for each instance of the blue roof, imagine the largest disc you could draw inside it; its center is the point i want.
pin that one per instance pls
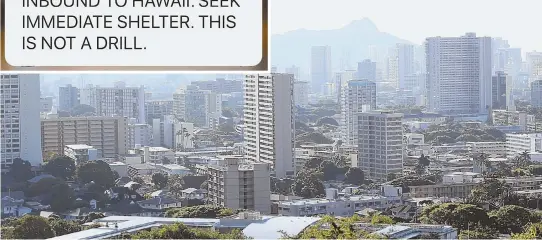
(272, 228)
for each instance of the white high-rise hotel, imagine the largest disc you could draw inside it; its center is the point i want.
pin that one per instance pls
(20, 118)
(459, 72)
(269, 121)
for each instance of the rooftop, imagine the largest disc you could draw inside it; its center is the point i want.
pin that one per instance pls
(79, 146)
(323, 200)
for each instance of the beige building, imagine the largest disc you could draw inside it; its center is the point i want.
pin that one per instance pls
(491, 148)
(106, 134)
(380, 144)
(453, 190)
(240, 185)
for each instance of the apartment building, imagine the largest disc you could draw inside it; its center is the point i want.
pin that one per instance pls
(341, 80)
(19, 119)
(536, 93)
(220, 85)
(519, 143)
(107, 134)
(157, 108)
(301, 93)
(116, 101)
(358, 96)
(380, 143)
(269, 121)
(321, 68)
(201, 107)
(46, 104)
(156, 154)
(513, 118)
(459, 71)
(239, 184)
(139, 134)
(68, 97)
(499, 90)
(491, 148)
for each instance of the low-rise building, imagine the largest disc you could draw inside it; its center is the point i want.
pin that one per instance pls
(81, 153)
(519, 143)
(119, 167)
(492, 148)
(156, 154)
(340, 206)
(172, 169)
(454, 185)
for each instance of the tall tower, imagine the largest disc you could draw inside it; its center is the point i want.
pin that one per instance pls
(358, 96)
(320, 68)
(406, 67)
(459, 74)
(20, 121)
(269, 121)
(499, 93)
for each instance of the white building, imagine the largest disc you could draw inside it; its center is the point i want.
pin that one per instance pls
(338, 206)
(414, 139)
(68, 97)
(534, 65)
(156, 154)
(358, 96)
(320, 68)
(406, 67)
(341, 80)
(269, 121)
(459, 71)
(536, 93)
(118, 100)
(81, 153)
(201, 107)
(380, 144)
(301, 93)
(46, 104)
(366, 70)
(20, 118)
(491, 148)
(237, 184)
(139, 134)
(513, 118)
(519, 143)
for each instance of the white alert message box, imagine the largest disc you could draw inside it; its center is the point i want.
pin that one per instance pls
(161, 33)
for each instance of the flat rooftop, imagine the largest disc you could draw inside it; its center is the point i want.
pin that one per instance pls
(79, 146)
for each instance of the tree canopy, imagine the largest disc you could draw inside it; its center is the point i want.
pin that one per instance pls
(21, 170)
(97, 171)
(61, 167)
(201, 211)
(159, 180)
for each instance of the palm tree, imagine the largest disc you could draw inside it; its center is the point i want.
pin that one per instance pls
(423, 163)
(523, 160)
(482, 160)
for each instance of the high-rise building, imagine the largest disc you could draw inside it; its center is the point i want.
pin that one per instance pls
(341, 80)
(358, 96)
(269, 121)
(536, 93)
(107, 134)
(295, 71)
(139, 134)
(459, 74)
(534, 65)
(499, 94)
(116, 101)
(220, 85)
(380, 144)
(157, 108)
(236, 184)
(392, 67)
(68, 97)
(320, 68)
(201, 107)
(406, 66)
(301, 93)
(20, 119)
(366, 70)
(46, 104)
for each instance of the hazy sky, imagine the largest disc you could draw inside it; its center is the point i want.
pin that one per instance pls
(518, 21)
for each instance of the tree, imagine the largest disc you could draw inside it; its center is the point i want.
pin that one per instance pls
(461, 216)
(32, 227)
(138, 179)
(82, 110)
(523, 160)
(181, 231)
(175, 184)
(308, 184)
(532, 231)
(326, 120)
(21, 170)
(422, 164)
(98, 172)
(61, 167)
(159, 180)
(63, 197)
(479, 233)
(491, 191)
(354, 176)
(512, 218)
(43, 186)
(481, 159)
(62, 227)
(281, 186)
(201, 211)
